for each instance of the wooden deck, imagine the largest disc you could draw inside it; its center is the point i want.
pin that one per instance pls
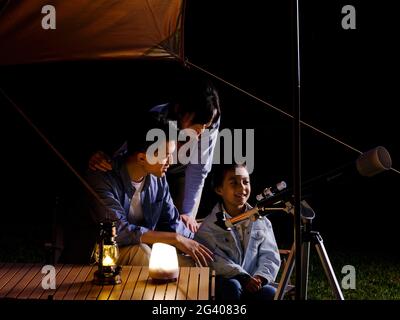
(74, 282)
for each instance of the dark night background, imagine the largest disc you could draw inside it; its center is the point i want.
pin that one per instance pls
(349, 89)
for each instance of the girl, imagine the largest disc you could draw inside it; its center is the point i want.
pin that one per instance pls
(246, 258)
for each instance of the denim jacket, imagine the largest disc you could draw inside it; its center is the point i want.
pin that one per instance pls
(116, 191)
(260, 255)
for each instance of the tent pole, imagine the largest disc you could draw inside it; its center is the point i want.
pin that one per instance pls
(300, 290)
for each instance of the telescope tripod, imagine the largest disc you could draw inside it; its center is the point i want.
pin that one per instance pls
(308, 237)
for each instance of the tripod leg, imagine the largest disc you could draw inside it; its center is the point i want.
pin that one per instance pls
(326, 263)
(286, 274)
(305, 257)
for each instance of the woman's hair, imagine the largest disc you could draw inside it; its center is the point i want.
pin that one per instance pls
(200, 97)
(137, 141)
(220, 170)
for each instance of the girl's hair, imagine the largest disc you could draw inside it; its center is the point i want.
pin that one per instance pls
(220, 170)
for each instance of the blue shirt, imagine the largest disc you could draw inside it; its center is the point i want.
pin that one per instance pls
(200, 164)
(116, 191)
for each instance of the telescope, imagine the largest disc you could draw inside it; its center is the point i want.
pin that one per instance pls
(368, 164)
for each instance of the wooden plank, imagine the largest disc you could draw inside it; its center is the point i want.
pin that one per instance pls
(94, 292)
(204, 284)
(100, 292)
(212, 285)
(61, 275)
(131, 283)
(141, 284)
(183, 283)
(78, 282)
(161, 290)
(171, 290)
(39, 291)
(63, 288)
(149, 290)
(193, 288)
(87, 285)
(32, 285)
(24, 282)
(106, 291)
(9, 275)
(117, 291)
(5, 268)
(1, 268)
(15, 279)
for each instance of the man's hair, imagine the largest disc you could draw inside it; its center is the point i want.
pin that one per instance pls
(200, 97)
(137, 141)
(220, 171)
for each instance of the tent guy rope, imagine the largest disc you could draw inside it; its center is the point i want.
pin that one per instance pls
(187, 62)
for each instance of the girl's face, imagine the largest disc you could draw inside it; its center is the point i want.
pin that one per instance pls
(235, 189)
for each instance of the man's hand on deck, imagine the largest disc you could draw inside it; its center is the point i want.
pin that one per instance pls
(200, 254)
(190, 222)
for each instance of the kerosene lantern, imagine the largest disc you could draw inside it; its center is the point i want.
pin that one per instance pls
(106, 255)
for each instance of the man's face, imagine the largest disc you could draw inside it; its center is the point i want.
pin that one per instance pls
(235, 189)
(163, 159)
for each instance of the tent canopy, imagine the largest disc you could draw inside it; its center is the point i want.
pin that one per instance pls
(87, 30)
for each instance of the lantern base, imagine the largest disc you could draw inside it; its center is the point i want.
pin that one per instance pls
(162, 276)
(107, 278)
(162, 281)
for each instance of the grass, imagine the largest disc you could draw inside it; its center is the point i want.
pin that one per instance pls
(377, 276)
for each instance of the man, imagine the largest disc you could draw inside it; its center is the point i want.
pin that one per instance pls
(197, 109)
(135, 193)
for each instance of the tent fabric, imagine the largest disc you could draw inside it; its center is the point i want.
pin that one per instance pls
(91, 29)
